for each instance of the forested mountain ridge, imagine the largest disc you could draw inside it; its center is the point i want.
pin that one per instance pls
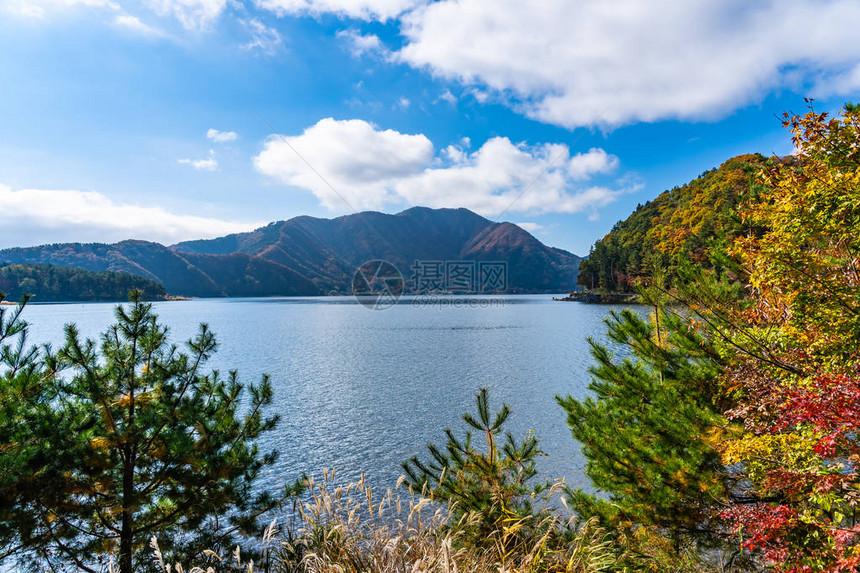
(678, 223)
(308, 256)
(49, 283)
(187, 275)
(329, 250)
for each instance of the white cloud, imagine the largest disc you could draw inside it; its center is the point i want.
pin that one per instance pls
(595, 161)
(503, 176)
(47, 216)
(447, 96)
(263, 38)
(134, 24)
(221, 136)
(530, 227)
(40, 8)
(481, 96)
(841, 82)
(363, 44)
(208, 164)
(403, 102)
(363, 9)
(578, 62)
(371, 169)
(194, 15)
(363, 164)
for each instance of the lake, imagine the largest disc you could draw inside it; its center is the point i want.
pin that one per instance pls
(361, 390)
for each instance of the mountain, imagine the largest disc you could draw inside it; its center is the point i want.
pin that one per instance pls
(329, 250)
(312, 256)
(181, 274)
(50, 283)
(679, 223)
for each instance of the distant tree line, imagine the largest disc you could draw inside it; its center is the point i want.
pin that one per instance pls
(49, 283)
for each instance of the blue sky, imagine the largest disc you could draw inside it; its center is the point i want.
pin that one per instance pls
(155, 119)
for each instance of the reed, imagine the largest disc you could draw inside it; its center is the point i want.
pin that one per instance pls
(351, 529)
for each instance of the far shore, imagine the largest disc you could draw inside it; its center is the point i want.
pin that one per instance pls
(35, 301)
(601, 298)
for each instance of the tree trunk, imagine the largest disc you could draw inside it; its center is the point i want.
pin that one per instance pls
(126, 532)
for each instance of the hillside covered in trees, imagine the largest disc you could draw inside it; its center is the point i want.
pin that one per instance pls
(49, 283)
(733, 423)
(680, 223)
(309, 256)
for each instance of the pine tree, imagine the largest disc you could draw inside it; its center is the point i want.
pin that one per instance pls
(487, 486)
(143, 443)
(34, 435)
(16, 365)
(647, 430)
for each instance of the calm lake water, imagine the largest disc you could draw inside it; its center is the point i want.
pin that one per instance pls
(362, 390)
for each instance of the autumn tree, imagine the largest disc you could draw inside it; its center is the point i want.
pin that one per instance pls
(797, 381)
(789, 366)
(678, 225)
(148, 442)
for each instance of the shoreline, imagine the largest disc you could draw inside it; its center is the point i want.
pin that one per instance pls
(598, 298)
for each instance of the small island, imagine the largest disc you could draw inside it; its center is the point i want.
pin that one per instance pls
(592, 297)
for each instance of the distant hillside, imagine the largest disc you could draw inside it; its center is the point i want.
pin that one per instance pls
(311, 256)
(192, 275)
(680, 222)
(329, 250)
(49, 283)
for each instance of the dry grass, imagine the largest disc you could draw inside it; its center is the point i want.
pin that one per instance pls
(348, 529)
